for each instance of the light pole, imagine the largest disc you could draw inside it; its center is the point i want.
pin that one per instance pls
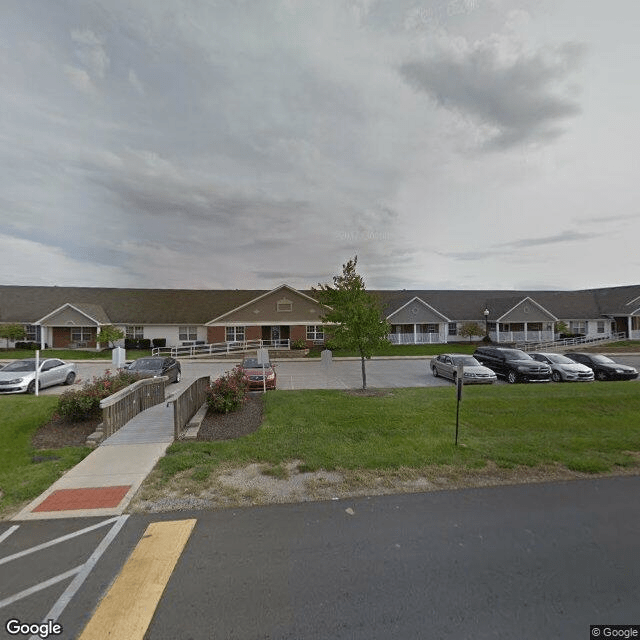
(486, 322)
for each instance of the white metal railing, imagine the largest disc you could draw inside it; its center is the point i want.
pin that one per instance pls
(415, 338)
(220, 348)
(570, 342)
(521, 336)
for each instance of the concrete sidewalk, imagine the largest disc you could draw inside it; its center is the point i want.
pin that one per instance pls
(104, 483)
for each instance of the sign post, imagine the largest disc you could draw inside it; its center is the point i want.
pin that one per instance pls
(263, 359)
(459, 382)
(37, 372)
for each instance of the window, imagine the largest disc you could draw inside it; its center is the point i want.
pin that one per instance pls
(600, 326)
(453, 328)
(315, 333)
(235, 334)
(578, 326)
(284, 305)
(82, 334)
(534, 326)
(135, 333)
(429, 328)
(32, 332)
(188, 333)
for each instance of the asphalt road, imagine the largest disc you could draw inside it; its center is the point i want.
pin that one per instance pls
(312, 374)
(527, 562)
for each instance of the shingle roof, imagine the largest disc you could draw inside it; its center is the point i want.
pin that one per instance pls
(26, 304)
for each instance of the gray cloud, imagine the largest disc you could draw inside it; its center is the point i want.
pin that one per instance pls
(513, 97)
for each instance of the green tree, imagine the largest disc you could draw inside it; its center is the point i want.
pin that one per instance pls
(470, 329)
(12, 332)
(109, 334)
(354, 315)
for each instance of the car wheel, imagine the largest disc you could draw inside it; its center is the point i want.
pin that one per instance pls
(601, 375)
(434, 371)
(70, 378)
(31, 388)
(512, 378)
(178, 377)
(556, 377)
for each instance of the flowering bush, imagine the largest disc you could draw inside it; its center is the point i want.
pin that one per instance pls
(85, 403)
(228, 392)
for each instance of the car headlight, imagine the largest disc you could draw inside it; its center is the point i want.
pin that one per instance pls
(14, 381)
(619, 370)
(469, 374)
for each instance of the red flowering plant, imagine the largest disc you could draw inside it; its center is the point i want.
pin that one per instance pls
(228, 392)
(76, 406)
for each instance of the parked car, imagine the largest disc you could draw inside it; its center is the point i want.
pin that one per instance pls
(604, 368)
(156, 367)
(20, 376)
(564, 369)
(257, 373)
(513, 364)
(446, 365)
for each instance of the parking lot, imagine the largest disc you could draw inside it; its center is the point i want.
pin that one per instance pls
(313, 374)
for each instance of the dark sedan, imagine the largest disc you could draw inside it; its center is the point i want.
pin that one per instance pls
(156, 367)
(604, 368)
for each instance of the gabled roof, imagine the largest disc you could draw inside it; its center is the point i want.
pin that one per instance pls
(422, 302)
(93, 312)
(282, 287)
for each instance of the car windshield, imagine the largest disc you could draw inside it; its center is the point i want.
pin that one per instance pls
(602, 359)
(560, 359)
(516, 354)
(252, 363)
(467, 361)
(146, 364)
(21, 365)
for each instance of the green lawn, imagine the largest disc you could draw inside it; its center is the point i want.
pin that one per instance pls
(589, 427)
(22, 478)
(67, 354)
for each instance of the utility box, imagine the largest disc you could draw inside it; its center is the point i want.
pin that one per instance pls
(118, 357)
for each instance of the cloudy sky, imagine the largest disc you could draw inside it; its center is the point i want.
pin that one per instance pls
(246, 143)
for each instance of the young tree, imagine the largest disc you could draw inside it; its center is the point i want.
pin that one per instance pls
(470, 329)
(355, 315)
(109, 334)
(12, 332)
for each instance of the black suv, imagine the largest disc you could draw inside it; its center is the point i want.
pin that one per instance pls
(513, 364)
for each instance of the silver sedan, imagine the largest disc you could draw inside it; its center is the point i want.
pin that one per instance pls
(446, 365)
(20, 376)
(564, 369)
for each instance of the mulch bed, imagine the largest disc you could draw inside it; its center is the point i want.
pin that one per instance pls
(216, 426)
(59, 433)
(227, 426)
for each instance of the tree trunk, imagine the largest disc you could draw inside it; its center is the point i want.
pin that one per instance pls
(364, 373)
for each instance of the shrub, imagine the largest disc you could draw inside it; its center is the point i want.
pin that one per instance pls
(144, 343)
(159, 342)
(228, 392)
(84, 404)
(301, 343)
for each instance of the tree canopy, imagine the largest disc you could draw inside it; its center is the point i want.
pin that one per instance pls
(354, 317)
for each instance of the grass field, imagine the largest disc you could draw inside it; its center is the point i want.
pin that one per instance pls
(589, 428)
(22, 478)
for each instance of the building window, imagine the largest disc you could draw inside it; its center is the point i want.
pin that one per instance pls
(315, 333)
(600, 326)
(82, 334)
(32, 332)
(188, 333)
(284, 305)
(453, 328)
(235, 334)
(534, 326)
(429, 328)
(134, 333)
(578, 326)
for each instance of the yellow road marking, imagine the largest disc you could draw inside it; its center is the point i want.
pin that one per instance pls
(126, 611)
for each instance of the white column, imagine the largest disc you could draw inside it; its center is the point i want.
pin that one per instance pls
(415, 334)
(629, 327)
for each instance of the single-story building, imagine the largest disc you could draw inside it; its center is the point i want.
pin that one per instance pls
(71, 317)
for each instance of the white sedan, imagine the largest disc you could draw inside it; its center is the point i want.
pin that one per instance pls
(564, 369)
(446, 365)
(20, 376)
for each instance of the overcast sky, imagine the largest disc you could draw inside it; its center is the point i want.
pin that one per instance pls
(244, 144)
